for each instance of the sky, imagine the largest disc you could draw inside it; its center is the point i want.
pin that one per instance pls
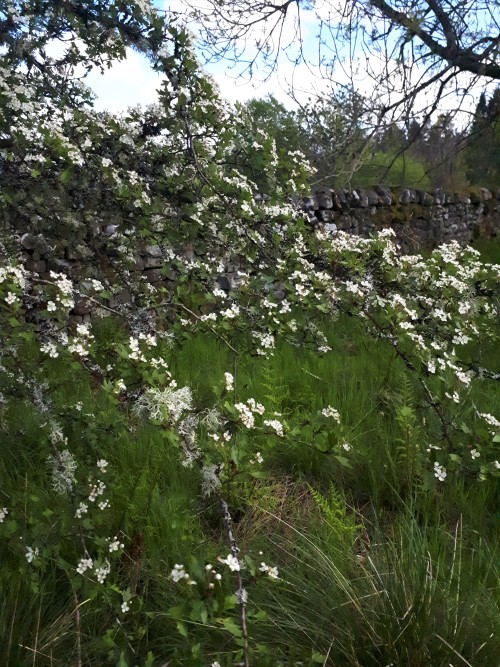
(132, 82)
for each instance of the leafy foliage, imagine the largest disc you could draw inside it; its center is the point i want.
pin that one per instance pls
(129, 470)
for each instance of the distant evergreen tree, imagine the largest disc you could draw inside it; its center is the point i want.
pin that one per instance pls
(483, 143)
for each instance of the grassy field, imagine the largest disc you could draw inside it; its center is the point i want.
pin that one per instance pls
(378, 565)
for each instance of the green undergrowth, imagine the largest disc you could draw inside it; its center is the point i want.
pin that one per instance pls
(378, 565)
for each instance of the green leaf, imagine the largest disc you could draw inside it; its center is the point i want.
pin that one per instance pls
(258, 474)
(122, 661)
(176, 612)
(181, 628)
(65, 177)
(231, 627)
(465, 428)
(343, 461)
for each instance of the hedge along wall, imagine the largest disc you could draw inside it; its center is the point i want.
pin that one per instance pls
(420, 221)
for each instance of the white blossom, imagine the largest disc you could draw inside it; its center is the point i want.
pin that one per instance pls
(331, 412)
(82, 509)
(229, 381)
(115, 545)
(276, 425)
(232, 562)
(62, 467)
(11, 298)
(178, 573)
(31, 554)
(269, 570)
(439, 471)
(84, 564)
(102, 464)
(102, 572)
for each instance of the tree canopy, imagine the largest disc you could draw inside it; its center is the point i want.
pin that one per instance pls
(416, 52)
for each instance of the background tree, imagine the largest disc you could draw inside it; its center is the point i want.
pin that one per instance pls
(418, 43)
(416, 52)
(339, 135)
(483, 143)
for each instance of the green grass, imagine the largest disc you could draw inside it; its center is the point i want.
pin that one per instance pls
(377, 569)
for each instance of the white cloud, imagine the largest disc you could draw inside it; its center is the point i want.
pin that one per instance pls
(126, 83)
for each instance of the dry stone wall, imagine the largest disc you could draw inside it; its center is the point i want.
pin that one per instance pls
(419, 219)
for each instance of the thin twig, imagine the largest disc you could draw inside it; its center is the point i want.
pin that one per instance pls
(78, 631)
(188, 310)
(233, 547)
(466, 662)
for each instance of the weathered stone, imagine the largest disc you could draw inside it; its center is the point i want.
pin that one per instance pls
(310, 204)
(138, 264)
(353, 199)
(344, 222)
(404, 195)
(326, 215)
(29, 241)
(424, 198)
(110, 230)
(153, 275)
(81, 307)
(336, 202)
(363, 198)
(151, 251)
(37, 266)
(224, 282)
(123, 296)
(324, 198)
(384, 194)
(153, 262)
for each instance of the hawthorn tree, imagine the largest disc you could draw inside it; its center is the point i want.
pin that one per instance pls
(73, 179)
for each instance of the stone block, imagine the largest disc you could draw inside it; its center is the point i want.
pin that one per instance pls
(403, 195)
(153, 275)
(153, 262)
(353, 199)
(326, 215)
(373, 198)
(363, 198)
(338, 201)
(151, 251)
(324, 198)
(224, 282)
(81, 307)
(29, 241)
(110, 230)
(384, 194)
(310, 203)
(36, 265)
(138, 264)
